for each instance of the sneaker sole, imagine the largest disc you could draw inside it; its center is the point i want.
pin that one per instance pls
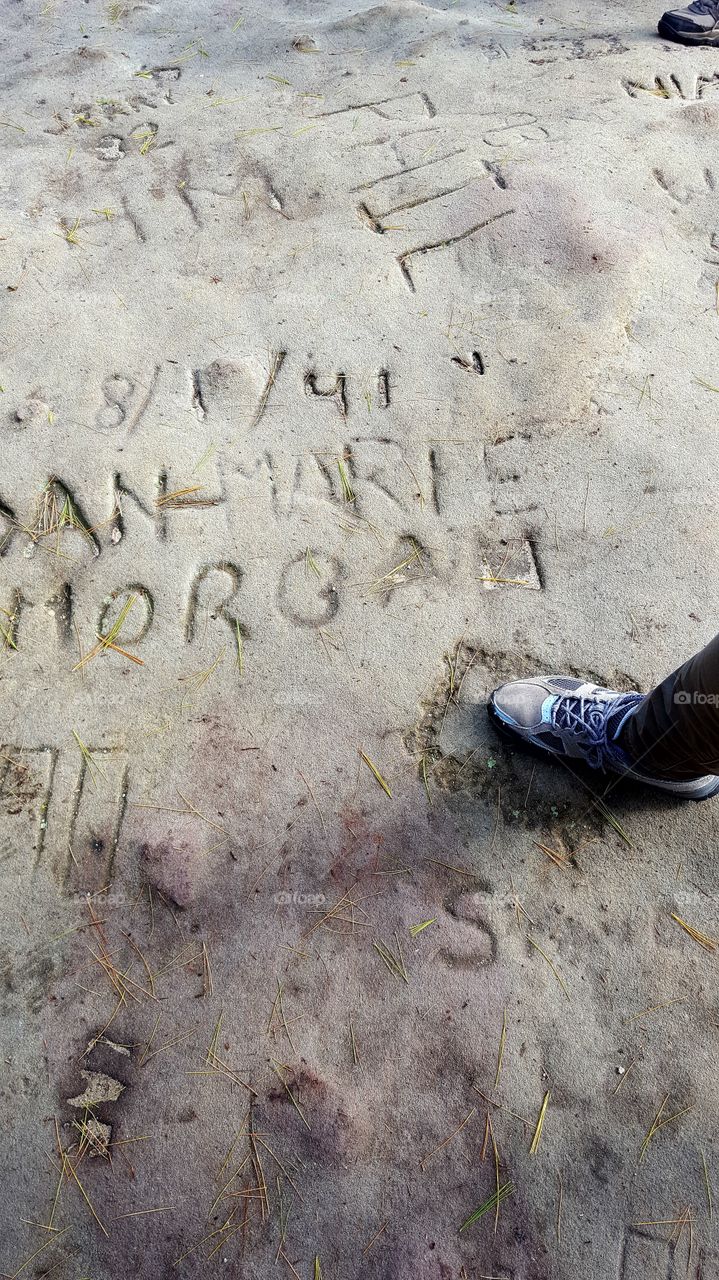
(509, 735)
(686, 37)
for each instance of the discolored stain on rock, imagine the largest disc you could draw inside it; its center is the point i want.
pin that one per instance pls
(331, 1130)
(472, 941)
(175, 868)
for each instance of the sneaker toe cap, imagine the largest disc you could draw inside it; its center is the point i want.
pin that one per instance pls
(519, 703)
(676, 20)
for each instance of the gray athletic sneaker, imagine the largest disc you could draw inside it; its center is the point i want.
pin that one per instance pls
(697, 24)
(577, 720)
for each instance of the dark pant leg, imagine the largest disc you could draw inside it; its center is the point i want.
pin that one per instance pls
(675, 732)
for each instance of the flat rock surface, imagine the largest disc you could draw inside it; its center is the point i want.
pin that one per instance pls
(354, 358)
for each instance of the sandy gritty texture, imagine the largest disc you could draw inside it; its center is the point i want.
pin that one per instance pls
(353, 357)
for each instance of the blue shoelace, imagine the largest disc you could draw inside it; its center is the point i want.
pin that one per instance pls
(587, 721)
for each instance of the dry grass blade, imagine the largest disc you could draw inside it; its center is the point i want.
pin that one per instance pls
(277, 1012)
(613, 821)
(218, 1066)
(654, 1008)
(212, 1048)
(509, 582)
(314, 799)
(208, 985)
(69, 233)
(497, 1181)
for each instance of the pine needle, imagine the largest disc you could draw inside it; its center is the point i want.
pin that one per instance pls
(425, 1159)
(69, 1167)
(8, 632)
(556, 856)
(108, 641)
(707, 1184)
(613, 821)
(181, 499)
(347, 490)
(425, 778)
(415, 929)
(70, 233)
(311, 563)
(375, 771)
(709, 944)
(140, 1213)
(658, 1123)
(497, 1183)
(500, 1052)
(197, 679)
(353, 1044)
(540, 1125)
(290, 1095)
(53, 1239)
(395, 963)
(555, 971)
(490, 1203)
(92, 767)
(375, 1237)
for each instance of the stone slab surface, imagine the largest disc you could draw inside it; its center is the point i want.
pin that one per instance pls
(353, 358)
